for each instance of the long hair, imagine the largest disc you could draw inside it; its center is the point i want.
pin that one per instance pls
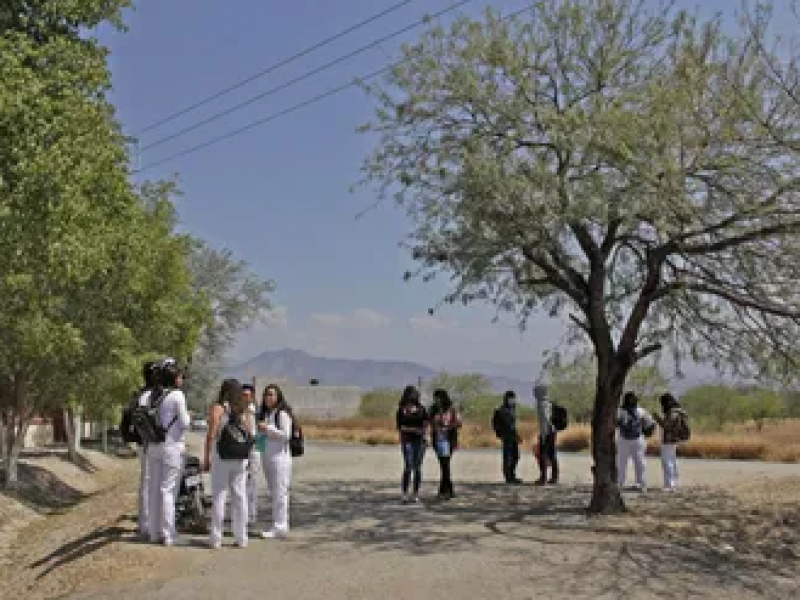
(410, 396)
(445, 403)
(170, 373)
(280, 405)
(231, 393)
(668, 401)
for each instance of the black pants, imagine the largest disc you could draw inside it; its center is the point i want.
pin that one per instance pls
(510, 458)
(445, 481)
(547, 449)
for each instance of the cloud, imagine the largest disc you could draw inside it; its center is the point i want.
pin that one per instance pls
(432, 325)
(361, 318)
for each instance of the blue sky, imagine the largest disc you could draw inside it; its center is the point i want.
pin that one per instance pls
(278, 195)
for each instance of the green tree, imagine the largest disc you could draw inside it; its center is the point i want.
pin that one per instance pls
(381, 403)
(633, 166)
(237, 298)
(93, 276)
(461, 388)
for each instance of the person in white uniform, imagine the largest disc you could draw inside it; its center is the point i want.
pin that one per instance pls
(227, 473)
(165, 460)
(634, 423)
(275, 421)
(254, 464)
(151, 380)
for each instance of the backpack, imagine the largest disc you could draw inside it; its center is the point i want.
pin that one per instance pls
(559, 417)
(126, 428)
(235, 442)
(296, 442)
(682, 429)
(631, 428)
(147, 420)
(498, 423)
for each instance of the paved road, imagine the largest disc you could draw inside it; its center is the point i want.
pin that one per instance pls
(352, 539)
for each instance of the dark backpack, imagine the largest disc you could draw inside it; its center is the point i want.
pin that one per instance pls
(682, 429)
(146, 420)
(498, 423)
(235, 442)
(126, 428)
(631, 428)
(296, 442)
(559, 418)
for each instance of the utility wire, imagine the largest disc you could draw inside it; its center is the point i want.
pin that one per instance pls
(274, 67)
(302, 77)
(288, 110)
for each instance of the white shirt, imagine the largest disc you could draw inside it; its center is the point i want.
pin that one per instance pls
(278, 438)
(173, 407)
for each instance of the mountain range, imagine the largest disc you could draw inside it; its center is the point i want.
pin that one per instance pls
(367, 374)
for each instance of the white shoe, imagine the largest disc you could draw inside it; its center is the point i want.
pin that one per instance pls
(273, 534)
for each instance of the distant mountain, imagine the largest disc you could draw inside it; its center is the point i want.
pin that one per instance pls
(301, 367)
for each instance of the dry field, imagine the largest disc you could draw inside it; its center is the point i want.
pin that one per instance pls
(777, 441)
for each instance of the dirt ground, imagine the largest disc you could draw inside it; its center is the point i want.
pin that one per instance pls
(733, 531)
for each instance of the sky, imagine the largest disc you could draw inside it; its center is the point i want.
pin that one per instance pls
(279, 195)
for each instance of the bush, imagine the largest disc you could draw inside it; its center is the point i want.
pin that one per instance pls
(481, 409)
(379, 404)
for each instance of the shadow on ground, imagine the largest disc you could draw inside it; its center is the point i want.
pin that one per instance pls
(616, 556)
(41, 490)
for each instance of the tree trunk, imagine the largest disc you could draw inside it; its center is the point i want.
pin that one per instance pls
(606, 495)
(3, 443)
(72, 438)
(15, 441)
(104, 436)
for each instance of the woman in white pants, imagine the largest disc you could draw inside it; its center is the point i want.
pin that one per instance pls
(672, 432)
(254, 464)
(276, 423)
(165, 461)
(227, 473)
(633, 423)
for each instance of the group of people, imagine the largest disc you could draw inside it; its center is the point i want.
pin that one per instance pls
(160, 419)
(442, 421)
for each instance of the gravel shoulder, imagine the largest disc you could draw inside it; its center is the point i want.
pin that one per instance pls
(733, 531)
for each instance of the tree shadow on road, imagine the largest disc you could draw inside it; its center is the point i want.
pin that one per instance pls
(543, 530)
(42, 491)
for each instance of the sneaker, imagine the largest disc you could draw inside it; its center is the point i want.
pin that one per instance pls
(273, 534)
(539, 482)
(415, 500)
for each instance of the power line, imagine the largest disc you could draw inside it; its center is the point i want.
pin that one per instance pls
(303, 77)
(288, 110)
(274, 67)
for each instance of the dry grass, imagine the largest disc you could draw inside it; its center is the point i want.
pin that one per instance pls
(774, 441)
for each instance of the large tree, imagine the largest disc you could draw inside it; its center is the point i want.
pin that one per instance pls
(634, 167)
(93, 276)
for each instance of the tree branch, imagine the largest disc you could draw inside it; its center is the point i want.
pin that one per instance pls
(736, 240)
(646, 351)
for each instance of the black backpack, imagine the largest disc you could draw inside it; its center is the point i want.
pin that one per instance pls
(296, 442)
(559, 418)
(235, 441)
(631, 428)
(499, 423)
(126, 428)
(146, 420)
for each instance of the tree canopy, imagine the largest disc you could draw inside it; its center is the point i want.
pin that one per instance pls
(633, 166)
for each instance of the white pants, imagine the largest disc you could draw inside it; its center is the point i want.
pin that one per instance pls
(229, 474)
(253, 465)
(669, 462)
(632, 449)
(144, 492)
(164, 464)
(278, 471)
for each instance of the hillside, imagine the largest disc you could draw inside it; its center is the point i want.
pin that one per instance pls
(367, 374)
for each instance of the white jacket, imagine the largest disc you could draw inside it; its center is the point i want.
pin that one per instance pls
(278, 436)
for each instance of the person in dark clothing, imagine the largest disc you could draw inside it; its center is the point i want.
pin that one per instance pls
(509, 435)
(445, 422)
(547, 437)
(412, 421)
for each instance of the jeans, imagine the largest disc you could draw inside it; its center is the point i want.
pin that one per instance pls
(547, 449)
(413, 451)
(510, 458)
(669, 462)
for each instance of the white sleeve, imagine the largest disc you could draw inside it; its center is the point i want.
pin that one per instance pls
(284, 433)
(184, 419)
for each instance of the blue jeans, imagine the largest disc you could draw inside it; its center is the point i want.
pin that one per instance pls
(413, 452)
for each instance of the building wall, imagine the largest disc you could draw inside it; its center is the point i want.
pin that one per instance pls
(316, 401)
